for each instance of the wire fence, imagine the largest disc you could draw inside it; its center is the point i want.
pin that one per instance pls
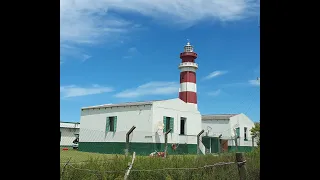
(95, 140)
(132, 172)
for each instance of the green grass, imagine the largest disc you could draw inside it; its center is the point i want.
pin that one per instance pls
(78, 156)
(96, 166)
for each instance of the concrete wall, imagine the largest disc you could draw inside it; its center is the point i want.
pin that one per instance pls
(176, 109)
(68, 135)
(93, 124)
(216, 127)
(146, 118)
(145, 138)
(241, 120)
(225, 127)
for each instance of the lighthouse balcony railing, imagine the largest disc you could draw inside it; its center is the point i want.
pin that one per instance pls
(188, 64)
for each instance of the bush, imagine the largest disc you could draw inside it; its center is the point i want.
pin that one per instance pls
(97, 168)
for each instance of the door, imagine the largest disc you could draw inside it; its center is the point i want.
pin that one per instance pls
(214, 145)
(224, 145)
(206, 142)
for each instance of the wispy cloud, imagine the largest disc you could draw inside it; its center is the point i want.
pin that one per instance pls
(85, 57)
(93, 21)
(151, 88)
(71, 51)
(235, 84)
(74, 91)
(215, 74)
(131, 52)
(254, 82)
(214, 93)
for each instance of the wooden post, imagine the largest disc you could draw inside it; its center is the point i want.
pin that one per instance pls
(241, 166)
(130, 166)
(127, 140)
(219, 144)
(198, 141)
(166, 142)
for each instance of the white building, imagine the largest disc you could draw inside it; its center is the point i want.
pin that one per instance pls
(68, 133)
(226, 126)
(104, 128)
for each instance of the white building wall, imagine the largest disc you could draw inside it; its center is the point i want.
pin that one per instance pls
(242, 121)
(68, 136)
(216, 127)
(226, 128)
(176, 108)
(93, 124)
(146, 118)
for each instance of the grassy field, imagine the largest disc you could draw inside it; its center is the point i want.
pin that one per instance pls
(78, 156)
(93, 166)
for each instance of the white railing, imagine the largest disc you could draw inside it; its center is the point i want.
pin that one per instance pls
(202, 147)
(188, 64)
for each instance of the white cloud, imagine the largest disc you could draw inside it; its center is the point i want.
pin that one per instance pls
(215, 93)
(215, 74)
(71, 51)
(73, 91)
(94, 21)
(131, 52)
(254, 82)
(85, 57)
(151, 88)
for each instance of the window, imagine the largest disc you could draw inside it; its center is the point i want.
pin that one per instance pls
(245, 134)
(238, 131)
(111, 124)
(182, 125)
(168, 123)
(111, 121)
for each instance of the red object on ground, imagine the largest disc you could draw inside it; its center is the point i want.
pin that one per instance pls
(65, 149)
(161, 154)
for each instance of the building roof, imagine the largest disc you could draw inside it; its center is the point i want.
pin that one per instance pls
(69, 124)
(141, 103)
(217, 116)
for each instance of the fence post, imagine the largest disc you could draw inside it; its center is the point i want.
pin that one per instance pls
(127, 140)
(198, 141)
(241, 165)
(166, 142)
(130, 166)
(219, 144)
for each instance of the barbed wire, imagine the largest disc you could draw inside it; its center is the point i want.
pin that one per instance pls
(91, 170)
(195, 168)
(161, 169)
(79, 162)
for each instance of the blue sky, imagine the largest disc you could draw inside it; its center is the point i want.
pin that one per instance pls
(114, 51)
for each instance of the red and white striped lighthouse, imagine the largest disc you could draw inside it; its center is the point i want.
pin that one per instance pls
(188, 68)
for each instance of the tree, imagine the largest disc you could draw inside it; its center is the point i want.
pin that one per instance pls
(255, 132)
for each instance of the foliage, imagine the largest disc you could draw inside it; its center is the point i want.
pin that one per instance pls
(255, 132)
(95, 168)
